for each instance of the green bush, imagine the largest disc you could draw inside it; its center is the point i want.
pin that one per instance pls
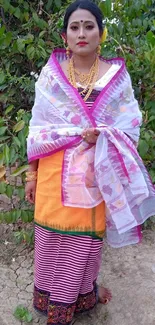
(28, 33)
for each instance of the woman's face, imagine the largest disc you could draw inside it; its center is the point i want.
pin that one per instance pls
(83, 34)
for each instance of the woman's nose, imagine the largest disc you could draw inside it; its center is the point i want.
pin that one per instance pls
(81, 33)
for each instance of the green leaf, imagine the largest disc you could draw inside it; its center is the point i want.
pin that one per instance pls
(58, 3)
(4, 138)
(26, 5)
(8, 217)
(109, 6)
(35, 17)
(49, 4)
(12, 154)
(26, 16)
(41, 23)
(15, 215)
(19, 126)
(11, 9)
(30, 216)
(30, 51)
(8, 39)
(18, 213)
(24, 216)
(2, 77)
(145, 23)
(21, 192)
(9, 191)
(150, 38)
(42, 33)
(20, 170)
(1, 159)
(22, 138)
(20, 45)
(17, 142)
(147, 136)
(56, 36)
(18, 236)
(42, 52)
(105, 7)
(6, 5)
(1, 121)
(28, 236)
(17, 13)
(9, 109)
(29, 38)
(28, 317)
(143, 148)
(6, 152)
(2, 187)
(2, 30)
(23, 314)
(1, 217)
(152, 118)
(3, 129)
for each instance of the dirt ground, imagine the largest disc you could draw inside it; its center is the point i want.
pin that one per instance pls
(129, 272)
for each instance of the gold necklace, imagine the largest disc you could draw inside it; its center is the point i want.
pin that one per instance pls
(88, 79)
(83, 77)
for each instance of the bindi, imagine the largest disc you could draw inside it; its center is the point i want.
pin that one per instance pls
(81, 21)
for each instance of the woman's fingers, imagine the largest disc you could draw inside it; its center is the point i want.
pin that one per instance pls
(90, 135)
(33, 196)
(30, 190)
(96, 132)
(30, 197)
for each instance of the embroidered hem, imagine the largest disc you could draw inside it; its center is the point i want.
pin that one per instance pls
(62, 313)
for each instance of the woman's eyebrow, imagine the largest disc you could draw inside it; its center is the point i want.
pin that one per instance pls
(84, 21)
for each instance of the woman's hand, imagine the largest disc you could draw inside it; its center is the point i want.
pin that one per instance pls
(30, 191)
(90, 135)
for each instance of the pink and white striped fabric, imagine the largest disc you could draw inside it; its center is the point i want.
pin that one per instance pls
(66, 262)
(66, 269)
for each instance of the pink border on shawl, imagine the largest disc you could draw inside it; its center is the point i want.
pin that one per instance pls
(129, 142)
(122, 164)
(62, 180)
(111, 82)
(66, 146)
(77, 95)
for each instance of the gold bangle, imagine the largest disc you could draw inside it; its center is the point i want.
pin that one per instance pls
(31, 176)
(30, 179)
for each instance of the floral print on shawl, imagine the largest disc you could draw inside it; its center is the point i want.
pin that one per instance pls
(112, 170)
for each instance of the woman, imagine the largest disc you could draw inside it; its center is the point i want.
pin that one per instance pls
(85, 174)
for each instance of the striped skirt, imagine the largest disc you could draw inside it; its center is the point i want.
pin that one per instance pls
(66, 269)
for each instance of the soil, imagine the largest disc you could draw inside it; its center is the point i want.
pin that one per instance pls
(128, 272)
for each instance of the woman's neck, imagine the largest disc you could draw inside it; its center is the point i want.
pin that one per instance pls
(84, 63)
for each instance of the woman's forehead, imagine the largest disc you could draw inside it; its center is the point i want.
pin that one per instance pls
(81, 15)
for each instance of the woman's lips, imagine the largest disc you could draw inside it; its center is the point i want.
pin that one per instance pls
(82, 43)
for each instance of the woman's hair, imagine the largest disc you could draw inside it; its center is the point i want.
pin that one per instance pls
(87, 5)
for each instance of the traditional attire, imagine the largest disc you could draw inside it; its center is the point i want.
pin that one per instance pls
(83, 189)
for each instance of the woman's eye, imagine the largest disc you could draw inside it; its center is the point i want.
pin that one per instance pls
(89, 27)
(74, 27)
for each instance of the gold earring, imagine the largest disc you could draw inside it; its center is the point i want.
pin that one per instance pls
(68, 52)
(98, 50)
